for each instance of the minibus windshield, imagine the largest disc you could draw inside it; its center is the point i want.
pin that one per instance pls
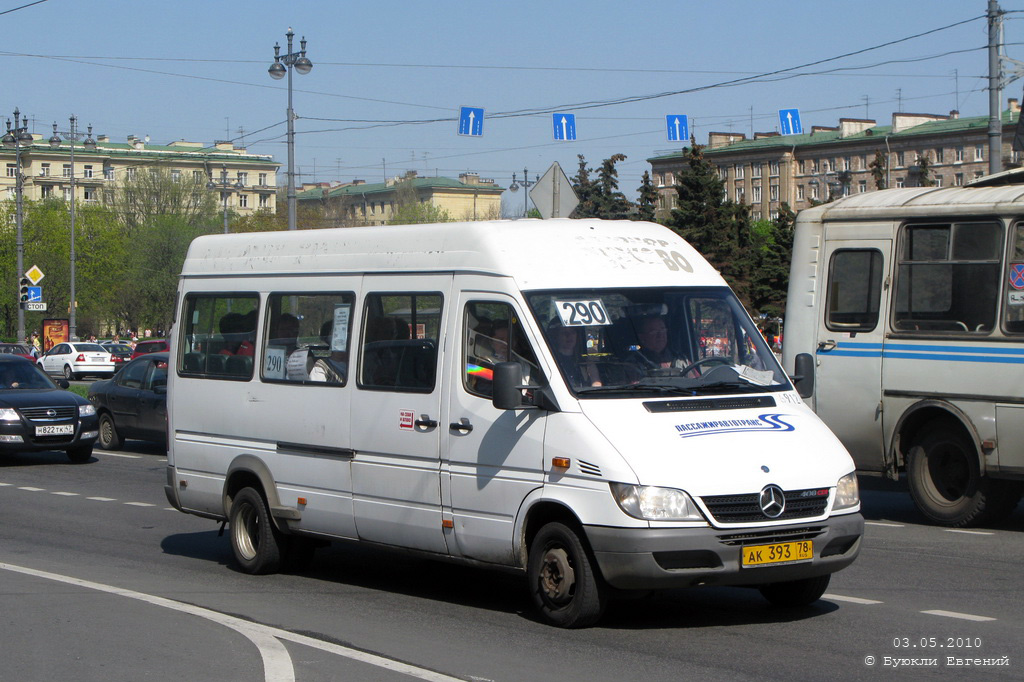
(656, 341)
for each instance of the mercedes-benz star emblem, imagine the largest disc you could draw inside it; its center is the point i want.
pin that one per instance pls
(772, 501)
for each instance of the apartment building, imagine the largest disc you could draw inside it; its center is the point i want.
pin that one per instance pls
(360, 203)
(246, 182)
(801, 170)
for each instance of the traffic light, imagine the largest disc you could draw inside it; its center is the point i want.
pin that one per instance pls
(23, 286)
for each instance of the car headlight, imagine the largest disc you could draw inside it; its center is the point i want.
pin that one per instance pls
(87, 410)
(847, 492)
(655, 504)
(9, 414)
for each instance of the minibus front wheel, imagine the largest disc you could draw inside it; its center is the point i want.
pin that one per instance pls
(256, 543)
(563, 582)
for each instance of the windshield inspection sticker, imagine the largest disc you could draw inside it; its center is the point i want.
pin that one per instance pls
(764, 423)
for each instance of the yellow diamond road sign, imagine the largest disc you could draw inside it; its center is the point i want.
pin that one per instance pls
(34, 274)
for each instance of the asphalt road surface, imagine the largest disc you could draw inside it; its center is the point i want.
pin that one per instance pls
(101, 580)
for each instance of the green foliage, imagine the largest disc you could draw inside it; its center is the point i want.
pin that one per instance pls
(647, 202)
(878, 169)
(601, 198)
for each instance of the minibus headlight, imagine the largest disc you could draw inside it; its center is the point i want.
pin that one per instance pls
(847, 492)
(655, 504)
(86, 410)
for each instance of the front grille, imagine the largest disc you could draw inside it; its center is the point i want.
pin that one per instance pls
(800, 504)
(39, 414)
(771, 536)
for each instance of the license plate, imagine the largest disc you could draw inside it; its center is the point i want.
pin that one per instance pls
(779, 553)
(56, 430)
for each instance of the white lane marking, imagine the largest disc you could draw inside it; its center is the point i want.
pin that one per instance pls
(253, 631)
(102, 499)
(3, 485)
(961, 616)
(111, 454)
(885, 525)
(64, 494)
(30, 488)
(139, 504)
(969, 532)
(852, 600)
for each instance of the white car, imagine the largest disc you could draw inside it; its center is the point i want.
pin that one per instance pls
(76, 360)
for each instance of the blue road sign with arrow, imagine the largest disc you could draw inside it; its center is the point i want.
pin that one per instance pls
(678, 128)
(565, 126)
(35, 294)
(789, 122)
(471, 121)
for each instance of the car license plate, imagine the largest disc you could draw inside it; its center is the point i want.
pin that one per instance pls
(779, 553)
(56, 430)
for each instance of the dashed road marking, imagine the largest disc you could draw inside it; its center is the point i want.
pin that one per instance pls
(885, 525)
(113, 454)
(64, 494)
(961, 616)
(30, 489)
(969, 532)
(139, 504)
(101, 499)
(852, 600)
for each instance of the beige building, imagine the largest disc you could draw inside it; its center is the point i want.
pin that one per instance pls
(359, 203)
(247, 182)
(801, 170)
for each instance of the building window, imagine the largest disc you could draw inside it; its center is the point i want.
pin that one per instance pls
(979, 152)
(90, 194)
(959, 157)
(958, 180)
(801, 167)
(738, 171)
(773, 169)
(814, 192)
(863, 162)
(243, 179)
(978, 174)
(243, 201)
(755, 170)
(814, 167)
(130, 173)
(799, 192)
(900, 183)
(899, 160)
(175, 175)
(263, 179)
(757, 194)
(44, 170)
(12, 170)
(67, 170)
(939, 156)
(264, 201)
(847, 163)
(739, 195)
(723, 173)
(86, 171)
(862, 186)
(773, 192)
(108, 172)
(47, 191)
(938, 180)
(225, 198)
(67, 194)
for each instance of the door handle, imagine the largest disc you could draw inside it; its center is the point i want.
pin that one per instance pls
(826, 346)
(426, 423)
(462, 425)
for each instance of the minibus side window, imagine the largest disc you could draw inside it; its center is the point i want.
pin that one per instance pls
(854, 290)
(948, 278)
(400, 342)
(1013, 313)
(218, 339)
(306, 339)
(493, 333)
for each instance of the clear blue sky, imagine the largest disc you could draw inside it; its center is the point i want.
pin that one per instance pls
(197, 70)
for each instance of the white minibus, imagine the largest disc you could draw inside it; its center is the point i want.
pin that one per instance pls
(905, 333)
(583, 401)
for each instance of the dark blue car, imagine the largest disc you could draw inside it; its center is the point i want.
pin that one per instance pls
(133, 404)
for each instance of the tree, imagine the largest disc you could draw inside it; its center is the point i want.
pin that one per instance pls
(586, 191)
(878, 170)
(922, 169)
(647, 203)
(772, 251)
(601, 198)
(410, 210)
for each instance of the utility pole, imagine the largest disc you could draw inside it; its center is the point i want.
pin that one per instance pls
(995, 93)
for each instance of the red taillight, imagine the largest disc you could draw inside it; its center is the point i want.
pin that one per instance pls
(80, 358)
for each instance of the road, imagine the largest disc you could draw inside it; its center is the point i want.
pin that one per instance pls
(101, 580)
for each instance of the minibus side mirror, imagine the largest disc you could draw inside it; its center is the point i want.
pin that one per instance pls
(803, 377)
(507, 386)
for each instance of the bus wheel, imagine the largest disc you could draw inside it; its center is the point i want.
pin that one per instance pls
(254, 539)
(562, 579)
(946, 482)
(796, 593)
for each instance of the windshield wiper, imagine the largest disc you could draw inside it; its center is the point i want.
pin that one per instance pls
(734, 386)
(636, 388)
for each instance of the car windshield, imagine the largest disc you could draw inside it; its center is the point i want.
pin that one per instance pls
(22, 375)
(118, 348)
(82, 347)
(655, 341)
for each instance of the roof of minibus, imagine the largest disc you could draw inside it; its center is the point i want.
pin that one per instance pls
(538, 254)
(922, 202)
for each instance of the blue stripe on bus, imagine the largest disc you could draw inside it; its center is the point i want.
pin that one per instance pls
(909, 351)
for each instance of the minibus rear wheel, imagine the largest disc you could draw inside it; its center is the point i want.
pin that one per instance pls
(563, 582)
(255, 541)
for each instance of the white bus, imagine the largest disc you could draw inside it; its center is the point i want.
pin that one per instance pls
(905, 328)
(521, 394)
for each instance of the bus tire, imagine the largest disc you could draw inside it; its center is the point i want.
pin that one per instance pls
(563, 583)
(946, 481)
(796, 593)
(256, 543)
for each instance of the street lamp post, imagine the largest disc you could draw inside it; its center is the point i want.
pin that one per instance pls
(17, 138)
(526, 183)
(285, 64)
(88, 143)
(225, 186)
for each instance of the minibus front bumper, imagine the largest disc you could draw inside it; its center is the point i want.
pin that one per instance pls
(649, 558)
